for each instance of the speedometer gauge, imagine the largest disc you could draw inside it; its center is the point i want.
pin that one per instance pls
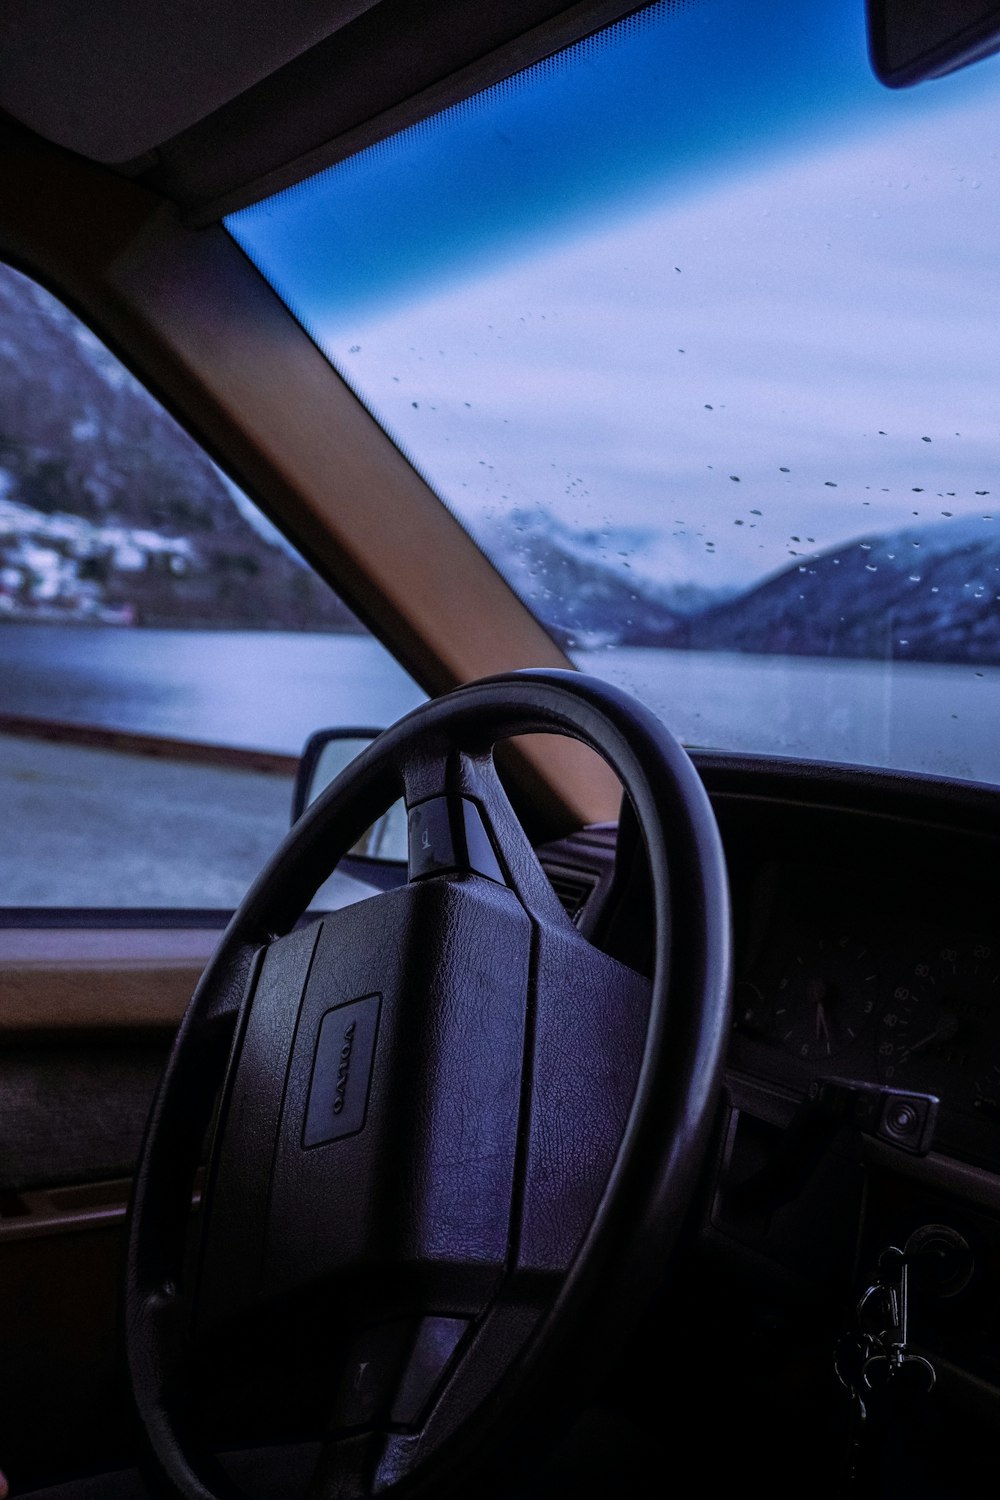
(939, 1030)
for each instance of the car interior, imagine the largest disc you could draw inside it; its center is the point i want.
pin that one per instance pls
(499, 725)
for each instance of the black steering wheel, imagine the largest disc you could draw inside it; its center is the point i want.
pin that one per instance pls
(440, 1116)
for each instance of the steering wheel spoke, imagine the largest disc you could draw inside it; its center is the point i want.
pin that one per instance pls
(449, 1128)
(407, 1388)
(460, 821)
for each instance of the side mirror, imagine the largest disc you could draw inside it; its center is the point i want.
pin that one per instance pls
(379, 856)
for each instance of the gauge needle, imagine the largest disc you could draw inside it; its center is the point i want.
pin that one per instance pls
(944, 1031)
(816, 991)
(822, 1029)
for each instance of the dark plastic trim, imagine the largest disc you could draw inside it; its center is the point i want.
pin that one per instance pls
(966, 40)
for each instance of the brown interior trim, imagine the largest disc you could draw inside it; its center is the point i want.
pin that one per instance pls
(46, 1211)
(58, 979)
(40, 1212)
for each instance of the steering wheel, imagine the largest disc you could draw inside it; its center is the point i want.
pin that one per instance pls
(440, 1116)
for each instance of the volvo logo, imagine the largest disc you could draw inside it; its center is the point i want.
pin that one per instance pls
(344, 1068)
(342, 1071)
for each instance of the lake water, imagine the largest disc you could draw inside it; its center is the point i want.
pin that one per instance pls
(270, 690)
(916, 716)
(267, 690)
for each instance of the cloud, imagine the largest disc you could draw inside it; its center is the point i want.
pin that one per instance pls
(782, 344)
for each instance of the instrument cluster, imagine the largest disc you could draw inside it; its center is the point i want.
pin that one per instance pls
(852, 981)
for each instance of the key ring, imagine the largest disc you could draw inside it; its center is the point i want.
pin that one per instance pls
(895, 1360)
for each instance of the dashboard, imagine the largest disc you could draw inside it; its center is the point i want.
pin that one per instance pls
(866, 918)
(883, 971)
(862, 1083)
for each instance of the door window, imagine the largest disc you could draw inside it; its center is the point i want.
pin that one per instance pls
(164, 651)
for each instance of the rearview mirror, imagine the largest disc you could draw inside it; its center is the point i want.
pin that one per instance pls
(913, 40)
(325, 755)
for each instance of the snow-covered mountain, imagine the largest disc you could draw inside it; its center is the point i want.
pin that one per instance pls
(923, 593)
(590, 587)
(929, 593)
(109, 511)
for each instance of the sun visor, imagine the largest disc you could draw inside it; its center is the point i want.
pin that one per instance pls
(111, 81)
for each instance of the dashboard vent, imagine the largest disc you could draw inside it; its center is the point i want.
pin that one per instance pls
(572, 888)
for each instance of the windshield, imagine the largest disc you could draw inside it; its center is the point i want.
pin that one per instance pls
(694, 329)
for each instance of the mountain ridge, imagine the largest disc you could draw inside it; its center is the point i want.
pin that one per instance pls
(110, 513)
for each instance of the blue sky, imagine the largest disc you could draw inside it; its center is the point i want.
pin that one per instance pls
(652, 108)
(752, 315)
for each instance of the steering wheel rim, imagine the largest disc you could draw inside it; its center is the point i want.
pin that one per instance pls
(634, 1199)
